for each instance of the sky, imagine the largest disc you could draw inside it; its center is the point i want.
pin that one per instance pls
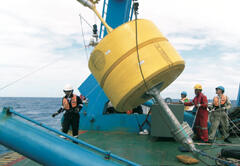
(44, 38)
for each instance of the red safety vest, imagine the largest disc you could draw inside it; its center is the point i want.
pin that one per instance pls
(216, 100)
(66, 104)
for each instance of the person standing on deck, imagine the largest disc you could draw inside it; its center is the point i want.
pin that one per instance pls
(71, 104)
(221, 104)
(201, 103)
(184, 99)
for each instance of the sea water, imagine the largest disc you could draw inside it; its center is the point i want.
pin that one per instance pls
(39, 109)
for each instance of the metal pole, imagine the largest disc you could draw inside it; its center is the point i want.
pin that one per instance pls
(43, 147)
(180, 132)
(86, 3)
(93, 7)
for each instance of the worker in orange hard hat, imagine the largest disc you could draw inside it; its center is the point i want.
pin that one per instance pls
(201, 103)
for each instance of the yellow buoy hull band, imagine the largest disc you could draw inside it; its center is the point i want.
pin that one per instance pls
(115, 66)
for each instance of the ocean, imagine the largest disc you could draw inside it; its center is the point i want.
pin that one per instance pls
(39, 109)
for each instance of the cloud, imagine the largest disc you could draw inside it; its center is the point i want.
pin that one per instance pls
(210, 71)
(214, 20)
(184, 43)
(35, 33)
(232, 57)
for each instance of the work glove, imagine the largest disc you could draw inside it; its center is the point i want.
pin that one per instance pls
(198, 105)
(85, 101)
(212, 109)
(60, 110)
(53, 115)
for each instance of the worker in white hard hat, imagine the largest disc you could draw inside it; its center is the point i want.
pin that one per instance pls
(71, 104)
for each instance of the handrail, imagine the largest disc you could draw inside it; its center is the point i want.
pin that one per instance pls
(106, 153)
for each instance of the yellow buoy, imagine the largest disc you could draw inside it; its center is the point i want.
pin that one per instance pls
(115, 66)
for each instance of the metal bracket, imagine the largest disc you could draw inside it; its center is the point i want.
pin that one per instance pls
(7, 111)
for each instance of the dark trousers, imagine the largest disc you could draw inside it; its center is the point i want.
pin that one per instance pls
(71, 119)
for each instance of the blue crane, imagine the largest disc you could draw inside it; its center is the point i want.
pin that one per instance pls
(115, 12)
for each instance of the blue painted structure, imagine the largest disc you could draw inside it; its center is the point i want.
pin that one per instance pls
(49, 149)
(92, 117)
(238, 98)
(116, 12)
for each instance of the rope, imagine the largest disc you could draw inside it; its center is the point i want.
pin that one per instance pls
(29, 74)
(146, 119)
(85, 21)
(216, 159)
(232, 122)
(32, 72)
(233, 125)
(138, 57)
(207, 144)
(195, 117)
(84, 43)
(203, 162)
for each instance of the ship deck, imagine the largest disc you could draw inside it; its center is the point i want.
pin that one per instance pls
(142, 149)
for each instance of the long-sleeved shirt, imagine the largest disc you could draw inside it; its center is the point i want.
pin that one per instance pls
(200, 99)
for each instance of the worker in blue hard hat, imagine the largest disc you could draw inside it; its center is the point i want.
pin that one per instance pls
(184, 99)
(221, 105)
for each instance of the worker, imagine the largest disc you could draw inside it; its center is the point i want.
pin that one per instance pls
(84, 99)
(138, 110)
(201, 103)
(221, 104)
(110, 109)
(71, 104)
(184, 99)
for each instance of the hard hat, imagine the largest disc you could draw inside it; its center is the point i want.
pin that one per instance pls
(184, 93)
(221, 88)
(198, 86)
(68, 87)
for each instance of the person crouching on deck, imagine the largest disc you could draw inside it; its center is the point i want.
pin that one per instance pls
(201, 122)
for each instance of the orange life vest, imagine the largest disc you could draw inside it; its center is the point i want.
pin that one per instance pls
(216, 100)
(66, 104)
